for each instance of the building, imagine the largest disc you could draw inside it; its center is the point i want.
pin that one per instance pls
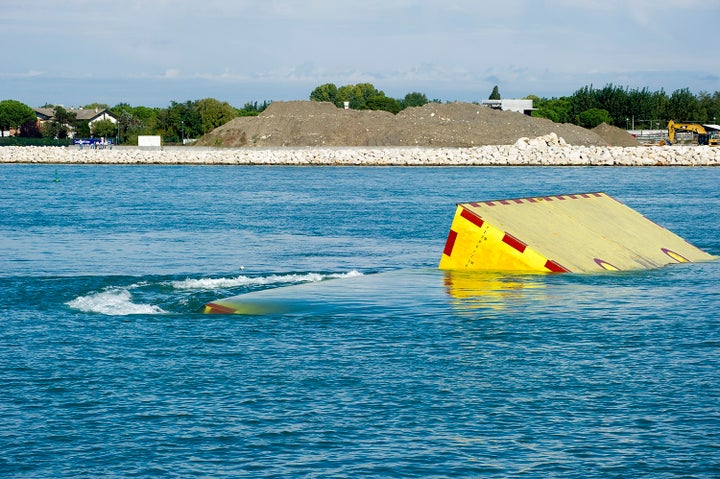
(82, 114)
(520, 106)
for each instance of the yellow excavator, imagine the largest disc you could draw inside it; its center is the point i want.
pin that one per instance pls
(704, 137)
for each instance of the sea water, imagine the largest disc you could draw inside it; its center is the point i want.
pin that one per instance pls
(108, 369)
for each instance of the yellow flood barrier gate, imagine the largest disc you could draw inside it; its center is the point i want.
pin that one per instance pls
(586, 232)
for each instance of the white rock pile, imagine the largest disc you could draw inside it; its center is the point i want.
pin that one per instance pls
(548, 150)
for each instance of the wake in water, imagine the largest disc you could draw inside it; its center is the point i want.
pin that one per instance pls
(181, 296)
(113, 302)
(224, 283)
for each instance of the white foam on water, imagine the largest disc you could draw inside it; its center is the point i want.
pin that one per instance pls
(221, 283)
(113, 302)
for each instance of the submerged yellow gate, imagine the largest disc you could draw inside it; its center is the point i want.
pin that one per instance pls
(567, 233)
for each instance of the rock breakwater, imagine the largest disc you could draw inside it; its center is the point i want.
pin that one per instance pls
(548, 150)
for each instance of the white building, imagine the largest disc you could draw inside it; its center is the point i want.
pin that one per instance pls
(520, 106)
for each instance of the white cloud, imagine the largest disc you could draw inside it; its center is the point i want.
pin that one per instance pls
(399, 45)
(644, 12)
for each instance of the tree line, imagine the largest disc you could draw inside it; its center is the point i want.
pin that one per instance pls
(629, 108)
(179, 121)
(587, 107)
(364, 96)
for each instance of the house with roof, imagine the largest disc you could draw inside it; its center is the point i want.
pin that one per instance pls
(90, 115)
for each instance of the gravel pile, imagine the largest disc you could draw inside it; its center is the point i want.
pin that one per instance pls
(615, 136)
(309, 123)
(545, 150)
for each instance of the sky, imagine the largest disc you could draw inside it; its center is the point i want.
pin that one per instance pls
(153, 52)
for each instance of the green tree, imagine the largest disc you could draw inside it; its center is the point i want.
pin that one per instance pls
(495, 95)
(181, 120)
(96, 106)
(364, 96)
(639, 108)
(357, 95)
(365, 91)
(683, 106)
(414, 99)
(582, 100)
(104, 128)
(554, 109)
(382, 102)
(133, 121)
(710, 106)
(147, 118)
(326, 92)
(658, 101)
(593, 117)
(345, 94)
(82, 129)
(214, 113)
(253, 108)
(31, 129)
(62, 123)
(15, 115)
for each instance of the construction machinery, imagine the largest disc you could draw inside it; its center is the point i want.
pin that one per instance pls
(706, 134)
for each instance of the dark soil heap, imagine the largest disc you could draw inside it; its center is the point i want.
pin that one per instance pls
(309, 123)
(615, 136)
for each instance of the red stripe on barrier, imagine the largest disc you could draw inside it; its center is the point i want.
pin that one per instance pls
(575, 196)
(477, 221)
(450, 243)
(555, 267)
(514, 242)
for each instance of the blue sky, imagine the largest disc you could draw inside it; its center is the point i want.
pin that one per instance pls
(152, 52)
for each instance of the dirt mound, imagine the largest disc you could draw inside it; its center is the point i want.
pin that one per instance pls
(615, 136)
(308, 123)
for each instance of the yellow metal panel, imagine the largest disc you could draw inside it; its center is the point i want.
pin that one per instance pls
(580, 232)
(478, 245)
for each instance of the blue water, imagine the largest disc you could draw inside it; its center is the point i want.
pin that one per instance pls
(107, 368)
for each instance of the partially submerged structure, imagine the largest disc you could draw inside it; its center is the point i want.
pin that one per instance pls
(584, 233)
(588, 232)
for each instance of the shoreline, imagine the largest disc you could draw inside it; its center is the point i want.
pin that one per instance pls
(541, 151)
